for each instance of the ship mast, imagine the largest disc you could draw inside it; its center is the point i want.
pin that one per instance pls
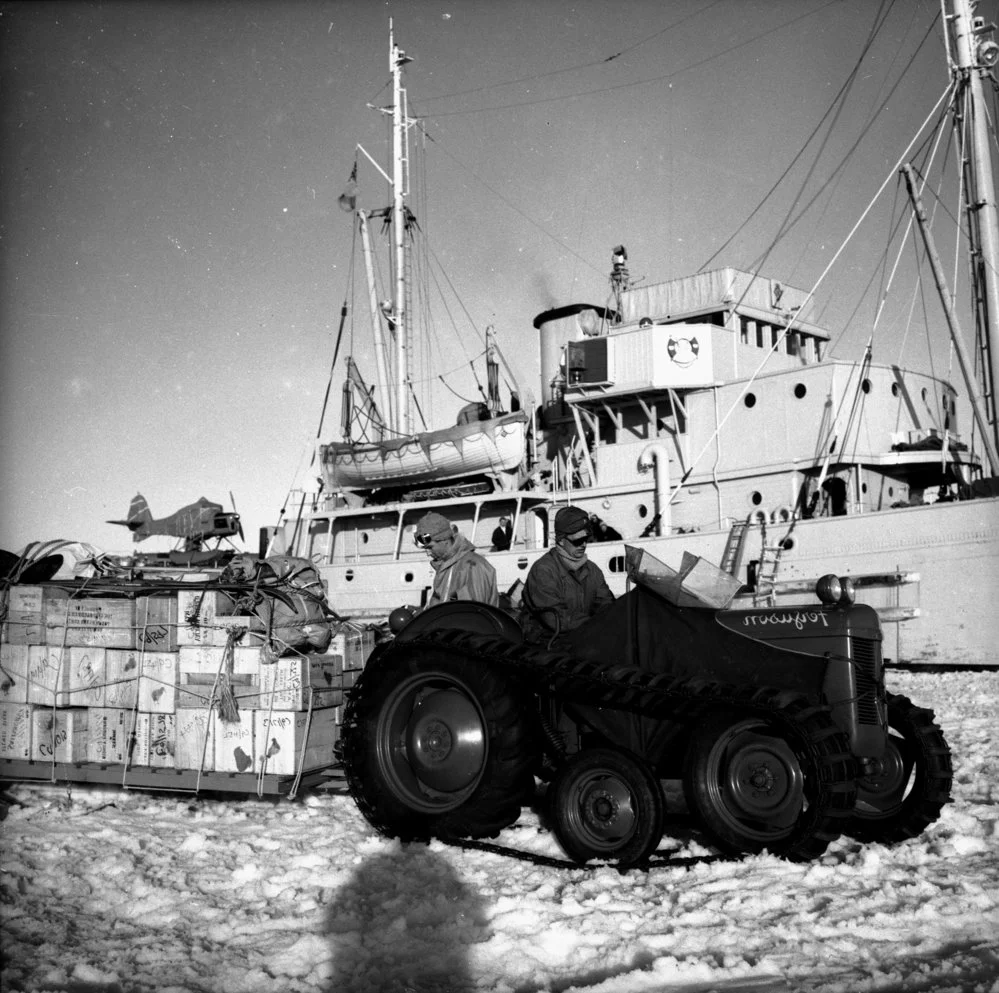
(974, 54)
(400, 188)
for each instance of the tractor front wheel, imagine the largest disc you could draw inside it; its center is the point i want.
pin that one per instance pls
(912, 782)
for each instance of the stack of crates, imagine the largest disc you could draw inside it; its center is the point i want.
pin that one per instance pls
(138, 682)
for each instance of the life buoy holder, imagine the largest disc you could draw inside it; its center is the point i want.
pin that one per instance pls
(759, 517)
(782, 515)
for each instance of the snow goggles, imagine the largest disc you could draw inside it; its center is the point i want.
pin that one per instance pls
(423, 540)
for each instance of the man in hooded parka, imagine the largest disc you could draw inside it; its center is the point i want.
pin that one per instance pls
(460, 572)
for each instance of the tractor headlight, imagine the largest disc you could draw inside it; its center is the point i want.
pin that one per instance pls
(829, 589)
(848, 592)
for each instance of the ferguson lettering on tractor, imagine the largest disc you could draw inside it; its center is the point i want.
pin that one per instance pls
(776, 720)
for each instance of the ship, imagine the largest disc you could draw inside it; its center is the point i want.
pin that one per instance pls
(700, 415)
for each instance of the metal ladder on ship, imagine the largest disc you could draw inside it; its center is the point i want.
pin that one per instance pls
(731, 561)
(765, 588)
(765, 585)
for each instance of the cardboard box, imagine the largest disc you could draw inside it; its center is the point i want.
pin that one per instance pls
(194, 746)
(13, 673)
(25, 624)
(108, 734)
(286, 742)
(156, 623)
(197, 614)
(155, 740)
(66, 677)
(15, 731)
(234, 743)
(288, 683)
(86, 674)
(353, 645)
(44, 673)
(59, 735)
(90, 622)
(121, 677)
(200, 666)
(158, 682)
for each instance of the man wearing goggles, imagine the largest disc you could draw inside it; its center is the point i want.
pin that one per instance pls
(460, 573)
(564, 588)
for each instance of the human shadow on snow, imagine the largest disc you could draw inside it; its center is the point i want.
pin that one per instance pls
(404, 920)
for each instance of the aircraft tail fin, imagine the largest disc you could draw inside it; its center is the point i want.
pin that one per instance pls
(139, 518)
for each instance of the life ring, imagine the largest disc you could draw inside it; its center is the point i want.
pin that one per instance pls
(782, 515)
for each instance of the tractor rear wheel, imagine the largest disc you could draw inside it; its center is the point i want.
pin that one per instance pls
(913, 782)
(607, 804)
(757, 782)
(436, 744)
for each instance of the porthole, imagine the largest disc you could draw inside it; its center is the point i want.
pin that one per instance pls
(894, 389)
(364, 537)
(756, 498)
(643, 511)
(800, 390)
(616, 563)
(866, 386)
(750, 400)
(863, 487)
(349, 575)
(923, 394)
(407, 578)
(891, 491)
(787, 544)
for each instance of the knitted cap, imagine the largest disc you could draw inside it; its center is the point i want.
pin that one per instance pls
(434, 524)
(569, 520)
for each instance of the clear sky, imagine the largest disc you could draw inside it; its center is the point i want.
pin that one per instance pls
(173, 260)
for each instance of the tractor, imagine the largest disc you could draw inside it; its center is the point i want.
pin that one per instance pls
(775, 720)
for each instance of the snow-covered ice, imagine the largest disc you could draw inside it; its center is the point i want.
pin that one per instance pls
(110, 890)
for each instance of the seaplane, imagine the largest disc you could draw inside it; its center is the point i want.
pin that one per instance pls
(195, 525)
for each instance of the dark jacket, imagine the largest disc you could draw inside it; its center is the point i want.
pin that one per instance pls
(558, 599)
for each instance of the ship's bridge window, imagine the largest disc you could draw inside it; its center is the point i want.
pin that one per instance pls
(493, 532)
(319, 541)
(363, 537)
(536, 528)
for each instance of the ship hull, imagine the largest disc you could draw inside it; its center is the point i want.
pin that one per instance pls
(932, 571)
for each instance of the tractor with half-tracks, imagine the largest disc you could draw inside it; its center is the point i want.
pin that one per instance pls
(775, 720)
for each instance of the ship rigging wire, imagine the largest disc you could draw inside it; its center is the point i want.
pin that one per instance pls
(639, 82)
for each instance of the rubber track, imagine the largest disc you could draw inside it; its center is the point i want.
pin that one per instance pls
(622, 687)
(659, 695)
